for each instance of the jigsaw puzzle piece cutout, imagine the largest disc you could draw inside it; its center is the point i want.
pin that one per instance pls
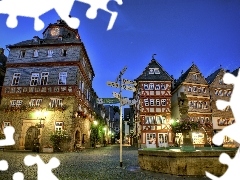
(18, 176)
(95, 5)
(36, 8)
(232, 131)
(44, 170)
(26, 8)
(8, 132)
(233, 167)
(63, 8)
(3, 165)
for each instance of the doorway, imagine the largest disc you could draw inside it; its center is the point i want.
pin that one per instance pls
(77, 137)
(151, 140)
(162, 139)
(31, 136)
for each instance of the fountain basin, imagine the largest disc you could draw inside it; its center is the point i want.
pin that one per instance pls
(176, 162)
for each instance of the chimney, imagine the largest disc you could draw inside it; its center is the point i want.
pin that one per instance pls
(1, 51)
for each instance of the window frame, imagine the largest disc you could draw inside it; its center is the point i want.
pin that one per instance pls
(157, 87)
(34, 79)
(152, 102)
(146, 102)
(22, 53)
(6, 123)
(35, 53)
(16, 76)
(49, 53)
(146, 86)
(151, 86)
(163, 85)
(164, 102)
(59, 125)
(64, 52)
(195, 77)
(63, 78)
(43, 77)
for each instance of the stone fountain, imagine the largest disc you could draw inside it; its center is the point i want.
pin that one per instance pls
(187, 160)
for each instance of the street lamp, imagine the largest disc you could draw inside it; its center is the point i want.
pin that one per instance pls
(95, 122)
(38, 115)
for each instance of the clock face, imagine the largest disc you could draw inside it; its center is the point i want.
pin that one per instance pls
(55, 31)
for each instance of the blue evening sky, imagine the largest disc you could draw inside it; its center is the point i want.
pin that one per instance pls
(206, 32)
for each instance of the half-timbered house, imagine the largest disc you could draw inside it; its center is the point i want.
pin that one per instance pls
(220, 90)
(193, 86)
(153, 109)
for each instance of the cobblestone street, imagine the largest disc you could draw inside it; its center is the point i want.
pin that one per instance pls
(101, 163)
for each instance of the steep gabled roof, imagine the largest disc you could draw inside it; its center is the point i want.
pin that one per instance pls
(162, 76)
(235, 72)
(212, 76)
(184, 76)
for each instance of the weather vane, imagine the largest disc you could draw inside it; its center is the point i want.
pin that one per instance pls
(153, 56)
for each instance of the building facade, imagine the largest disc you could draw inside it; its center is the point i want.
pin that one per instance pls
(220, 90)
(153, 108)
(48, 88)
(190, 96)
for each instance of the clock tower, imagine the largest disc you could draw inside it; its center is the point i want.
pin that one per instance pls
(60, 29)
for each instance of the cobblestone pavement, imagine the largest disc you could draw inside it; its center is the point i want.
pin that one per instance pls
(100, 164)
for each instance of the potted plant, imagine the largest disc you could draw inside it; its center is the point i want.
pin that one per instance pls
(48, 148)
(57, 138)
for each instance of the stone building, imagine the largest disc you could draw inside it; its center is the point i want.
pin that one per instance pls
(3, 60)
(48, 88)
(220, 90)
(153, 109)
(191, 90)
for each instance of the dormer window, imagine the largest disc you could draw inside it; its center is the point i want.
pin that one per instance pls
(154, 71)
(35, 39)
(151, 70)
(35, 53)
(22, 54)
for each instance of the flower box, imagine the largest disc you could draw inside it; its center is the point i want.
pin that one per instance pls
(48, 149)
